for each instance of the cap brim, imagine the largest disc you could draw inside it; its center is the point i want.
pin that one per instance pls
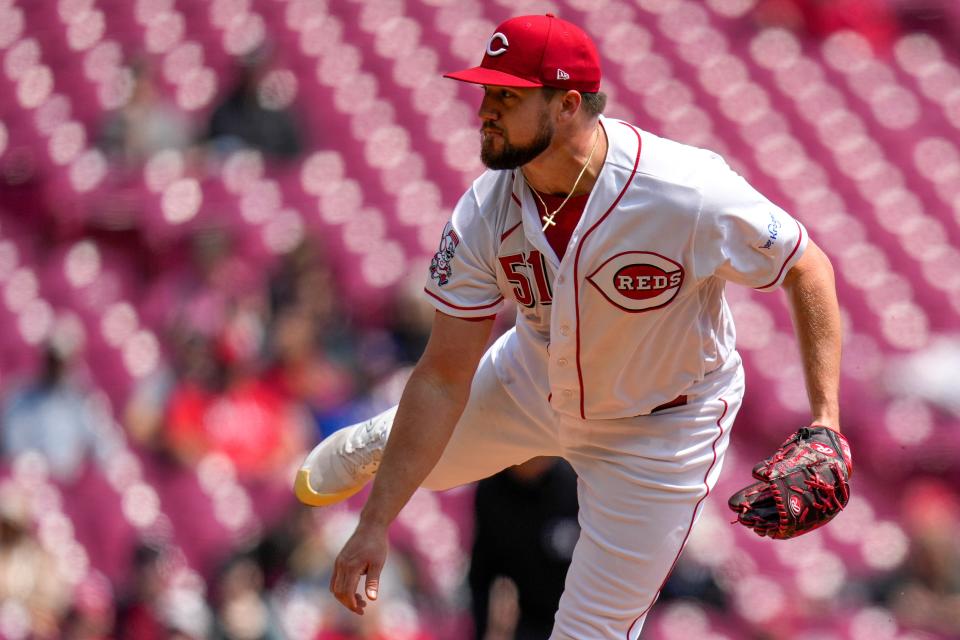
(481, 75)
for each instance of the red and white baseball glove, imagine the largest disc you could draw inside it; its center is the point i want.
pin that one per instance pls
(801, 487)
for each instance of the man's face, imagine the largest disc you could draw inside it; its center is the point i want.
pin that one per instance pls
(516, 126)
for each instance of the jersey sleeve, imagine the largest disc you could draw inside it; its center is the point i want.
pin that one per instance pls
(463, 279)
(741, 235)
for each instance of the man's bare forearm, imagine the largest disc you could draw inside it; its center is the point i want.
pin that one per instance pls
(816, 317)
(425, 420)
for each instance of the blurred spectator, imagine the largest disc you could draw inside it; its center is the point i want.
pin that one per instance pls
(248, 419)
(192, 362)
(146, 124)
(200, 282)
(304, 284)
(925, 593)
(937, 17)
(318, 351)
(692, 580)
(139, 612)
(163, 600)
(410, 320)
(525, 531)
(54, 418)
(929, 373)
(92, 615)
(305, 373)
(243, 612)
(873, 19)
(31, 587)
(303, 279)
(256, 115)
(193, 301)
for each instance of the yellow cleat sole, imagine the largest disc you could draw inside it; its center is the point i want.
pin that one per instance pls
(305, 493)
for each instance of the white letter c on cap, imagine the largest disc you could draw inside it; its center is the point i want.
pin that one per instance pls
(502, 38)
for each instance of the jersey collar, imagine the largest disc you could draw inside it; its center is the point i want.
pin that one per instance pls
(622, 150)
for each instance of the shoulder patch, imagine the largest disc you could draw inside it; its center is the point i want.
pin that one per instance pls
(440, 267)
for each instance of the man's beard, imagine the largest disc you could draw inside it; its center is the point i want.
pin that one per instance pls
(510, 156)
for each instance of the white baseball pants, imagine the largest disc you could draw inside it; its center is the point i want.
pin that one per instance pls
(641, 485)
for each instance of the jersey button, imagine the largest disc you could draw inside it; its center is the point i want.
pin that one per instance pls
(565, 330)
(567, 393)
(562, 362)
(561, 279)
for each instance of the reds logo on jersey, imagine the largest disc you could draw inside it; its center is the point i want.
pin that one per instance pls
(638, 281)
(440, 268)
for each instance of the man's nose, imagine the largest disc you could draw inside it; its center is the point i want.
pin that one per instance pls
(486, 112)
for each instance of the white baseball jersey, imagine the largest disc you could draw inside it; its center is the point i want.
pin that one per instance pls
(634, 313)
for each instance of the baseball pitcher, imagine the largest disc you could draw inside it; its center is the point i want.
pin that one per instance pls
(616, 246)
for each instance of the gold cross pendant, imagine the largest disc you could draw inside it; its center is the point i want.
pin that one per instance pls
(548, 221)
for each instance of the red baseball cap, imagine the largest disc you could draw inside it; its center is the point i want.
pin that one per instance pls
(537, 51)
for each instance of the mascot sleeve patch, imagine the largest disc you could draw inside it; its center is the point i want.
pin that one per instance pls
(441, 267)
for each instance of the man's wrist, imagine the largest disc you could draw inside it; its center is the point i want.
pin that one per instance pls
(832, 426)
(373, 519)
(828, 419)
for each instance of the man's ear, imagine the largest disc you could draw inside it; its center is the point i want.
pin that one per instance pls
(570, 105)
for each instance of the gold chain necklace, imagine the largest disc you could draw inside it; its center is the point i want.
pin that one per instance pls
(548, 219)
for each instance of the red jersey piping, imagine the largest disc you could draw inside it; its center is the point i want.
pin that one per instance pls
(576, 262)
(693, 517)
(510, 230)
(459, 308)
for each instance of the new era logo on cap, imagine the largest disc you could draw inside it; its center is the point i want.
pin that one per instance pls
(537, 51)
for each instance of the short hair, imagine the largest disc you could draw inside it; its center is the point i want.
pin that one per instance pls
(593, 102)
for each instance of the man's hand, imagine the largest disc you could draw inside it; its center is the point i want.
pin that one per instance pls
(438, 388)
(364, 554)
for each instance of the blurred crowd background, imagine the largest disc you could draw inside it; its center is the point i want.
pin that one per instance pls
(216, 217)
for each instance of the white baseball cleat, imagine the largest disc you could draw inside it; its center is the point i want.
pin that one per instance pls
(343, 462)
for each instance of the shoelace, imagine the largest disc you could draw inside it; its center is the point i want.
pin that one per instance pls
(365, 456)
